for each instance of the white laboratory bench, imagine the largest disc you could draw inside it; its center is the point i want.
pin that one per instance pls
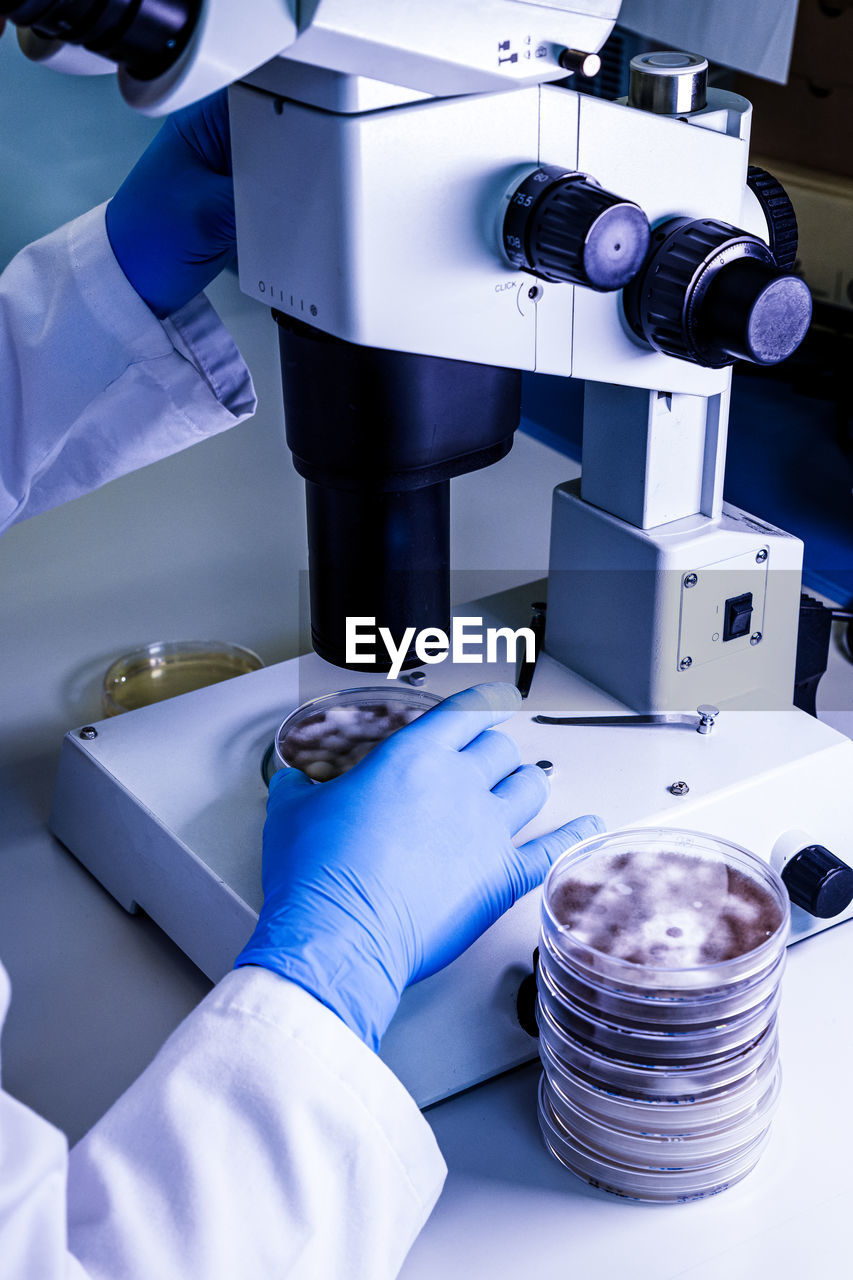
(210, 544)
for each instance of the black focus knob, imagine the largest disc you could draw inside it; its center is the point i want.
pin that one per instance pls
(711, 293)
(778, 213)
(818, 882)
(565, 227)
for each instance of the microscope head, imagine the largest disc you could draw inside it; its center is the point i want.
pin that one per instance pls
(171, 53)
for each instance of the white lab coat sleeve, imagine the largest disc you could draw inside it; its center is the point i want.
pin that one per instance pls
(264, 1140)
(33, 1168)
(92, 384)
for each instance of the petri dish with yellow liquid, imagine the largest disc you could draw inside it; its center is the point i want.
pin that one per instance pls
(171, 667)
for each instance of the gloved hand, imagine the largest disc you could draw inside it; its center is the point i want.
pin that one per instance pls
(384, 875)
(171, 222)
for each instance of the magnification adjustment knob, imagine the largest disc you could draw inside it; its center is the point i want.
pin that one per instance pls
(563, 226)
(779, 214)
(818, 882)
(711, 293)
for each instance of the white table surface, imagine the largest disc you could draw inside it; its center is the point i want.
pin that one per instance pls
(211, 544)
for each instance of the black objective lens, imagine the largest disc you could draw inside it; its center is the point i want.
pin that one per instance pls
(378, 435)
(144, 36)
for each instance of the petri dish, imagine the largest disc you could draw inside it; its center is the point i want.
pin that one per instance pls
(167, 668)
(663, 1082)
(327, 736)
(655, 1008)
(656, 1144)
(643, 1115)
(671, 1185)
(662, 1042)
(665, 914)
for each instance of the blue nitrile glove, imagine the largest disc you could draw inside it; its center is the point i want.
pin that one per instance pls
(384, 875)
(171, 222)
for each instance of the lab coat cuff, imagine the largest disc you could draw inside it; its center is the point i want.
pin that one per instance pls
(198, 334)
(195, 332)
(339, 1053)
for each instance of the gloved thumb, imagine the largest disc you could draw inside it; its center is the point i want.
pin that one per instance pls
(539, 854)
(287, 782)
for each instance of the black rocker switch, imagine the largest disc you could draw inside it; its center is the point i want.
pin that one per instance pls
(738, 617)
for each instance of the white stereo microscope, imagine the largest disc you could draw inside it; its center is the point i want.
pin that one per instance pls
(428, 213)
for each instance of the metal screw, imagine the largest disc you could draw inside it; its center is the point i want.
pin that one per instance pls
(691, 579)
(756, 637)
(88, 732)
(761, 556)
(547, 766)
(678, 788)
(416, 677)
(685, 663)
(707, 717)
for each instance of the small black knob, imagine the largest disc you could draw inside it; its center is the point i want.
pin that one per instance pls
(565, 227)
(525, 1003)
(711, 293)
(818, 882)
(778, 213)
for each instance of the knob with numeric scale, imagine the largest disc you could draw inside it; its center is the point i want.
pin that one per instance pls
(564, 226)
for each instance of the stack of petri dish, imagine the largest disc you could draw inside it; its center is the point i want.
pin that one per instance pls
(660, 959)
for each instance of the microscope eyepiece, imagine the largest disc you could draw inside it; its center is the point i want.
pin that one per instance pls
(144, 36)
(565, 227)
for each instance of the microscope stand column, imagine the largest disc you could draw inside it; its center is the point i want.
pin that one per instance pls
(659, 592)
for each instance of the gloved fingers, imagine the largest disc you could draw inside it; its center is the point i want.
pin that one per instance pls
(205, 127)
(285, 783)
(537, 856)
(494, 754)
(523, 794)
(222, 224)
(462, 717)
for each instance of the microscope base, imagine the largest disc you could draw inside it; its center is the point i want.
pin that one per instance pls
(165, 808)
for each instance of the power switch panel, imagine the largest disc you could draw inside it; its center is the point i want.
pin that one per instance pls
(738, 617)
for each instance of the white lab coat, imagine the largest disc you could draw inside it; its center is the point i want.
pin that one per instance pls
(264, 1140)
(91, 383)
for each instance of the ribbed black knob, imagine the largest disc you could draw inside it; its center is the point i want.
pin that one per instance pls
(779, 214)
(565, 227)
(711, 293)
(818, 882)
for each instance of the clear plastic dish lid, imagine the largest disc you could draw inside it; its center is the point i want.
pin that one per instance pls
(167, 668)
(657, 908)
(327, 736)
